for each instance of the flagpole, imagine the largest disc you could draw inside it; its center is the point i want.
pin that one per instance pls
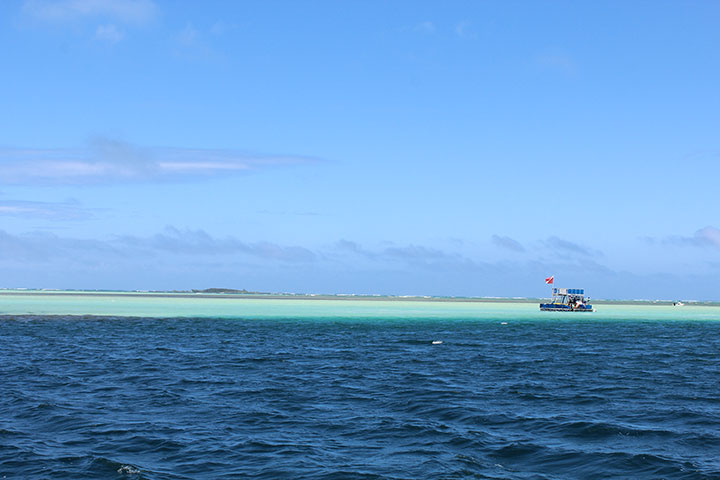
(551, 281)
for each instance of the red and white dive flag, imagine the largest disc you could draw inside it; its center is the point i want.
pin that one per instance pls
(550, 280)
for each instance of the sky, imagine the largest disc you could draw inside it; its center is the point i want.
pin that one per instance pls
(461, 148)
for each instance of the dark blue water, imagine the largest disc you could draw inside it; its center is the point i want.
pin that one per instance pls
(218, 398)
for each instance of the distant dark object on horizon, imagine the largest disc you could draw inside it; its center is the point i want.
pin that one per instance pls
(222, 290)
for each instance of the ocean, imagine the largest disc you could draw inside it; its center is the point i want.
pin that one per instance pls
(176, 387)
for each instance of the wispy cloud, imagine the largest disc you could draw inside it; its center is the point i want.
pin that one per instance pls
(701, 156)
(67, 210)
(416, 252)
(112, 161)
(705, 237)
(507, 243)
(349, 246)
(131, 11)
(411, 255)
(567, 247)
(41, 247)
(199, 242)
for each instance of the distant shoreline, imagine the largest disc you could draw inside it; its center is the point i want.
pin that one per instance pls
(229, 294)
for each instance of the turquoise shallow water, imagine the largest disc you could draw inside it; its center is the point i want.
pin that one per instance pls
(160, 306)
(126, 387)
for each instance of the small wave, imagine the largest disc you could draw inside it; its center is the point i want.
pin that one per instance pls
(128, 470)
(600, 430)
(601, 464)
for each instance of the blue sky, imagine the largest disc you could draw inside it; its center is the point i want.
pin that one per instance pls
(469, 148)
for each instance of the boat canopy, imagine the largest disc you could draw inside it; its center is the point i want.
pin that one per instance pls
(568, 291)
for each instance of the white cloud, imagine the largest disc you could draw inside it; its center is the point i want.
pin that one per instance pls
(111, 161)
(131, 11)
(109, 33)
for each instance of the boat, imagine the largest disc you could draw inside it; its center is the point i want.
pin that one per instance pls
(678, 304)
(567, 300)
